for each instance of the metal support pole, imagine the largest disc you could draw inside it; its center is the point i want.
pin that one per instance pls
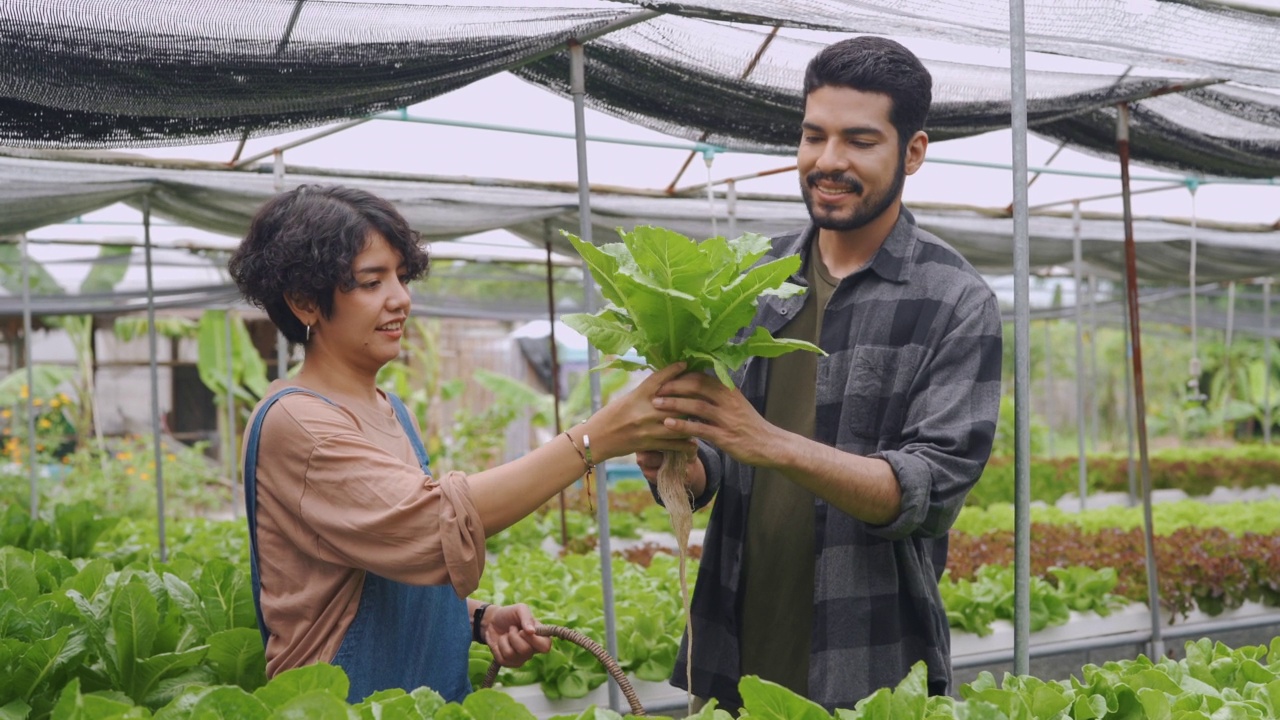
(1128, 406)
(1139, 393)
(282, 356)
(577, 82)
(555, 370)
(155, 379)
(31, 379)
(708, 158)
(731, 206)
(230, 457)
(277, 169)
(1266, 361)
(282, 343)
(1095, 418)
(1049, 410)
(1022, 344)
(1228, 338)
(1077, 256)
(1231, 316)
(1193, 367)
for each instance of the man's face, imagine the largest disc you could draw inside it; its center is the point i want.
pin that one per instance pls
(851, 166)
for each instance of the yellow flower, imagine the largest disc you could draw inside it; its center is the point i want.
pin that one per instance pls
(44, 424)
(23, 392)
(171, 457)
(62, 397)
(6, 413)
(124, 456)
(128, 471)
(143, 476)
(55, 403)
(37, 402)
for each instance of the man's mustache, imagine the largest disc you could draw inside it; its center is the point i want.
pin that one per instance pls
(852, 183)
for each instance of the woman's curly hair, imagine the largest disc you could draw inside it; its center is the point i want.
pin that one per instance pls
(301, 244)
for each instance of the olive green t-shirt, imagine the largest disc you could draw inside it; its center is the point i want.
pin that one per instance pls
(777, 605)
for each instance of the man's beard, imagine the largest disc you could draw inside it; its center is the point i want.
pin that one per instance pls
(869, 209)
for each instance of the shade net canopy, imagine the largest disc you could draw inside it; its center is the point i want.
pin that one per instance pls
(37, 190)
(116, 73)
(686, 79)
(1233, 40)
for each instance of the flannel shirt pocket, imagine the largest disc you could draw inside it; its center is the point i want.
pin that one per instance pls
(875, 401)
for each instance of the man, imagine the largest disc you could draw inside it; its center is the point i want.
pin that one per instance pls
(839, 476)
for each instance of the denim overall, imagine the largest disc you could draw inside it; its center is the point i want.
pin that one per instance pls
(403, 636)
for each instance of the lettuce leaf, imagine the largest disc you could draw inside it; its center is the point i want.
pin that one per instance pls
(673, 299)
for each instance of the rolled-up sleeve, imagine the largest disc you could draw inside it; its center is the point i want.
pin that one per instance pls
(950, 423)
(370, 510)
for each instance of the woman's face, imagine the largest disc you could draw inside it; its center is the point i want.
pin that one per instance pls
(368, 321)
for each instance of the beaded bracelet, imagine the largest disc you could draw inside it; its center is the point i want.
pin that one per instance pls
(584, 452)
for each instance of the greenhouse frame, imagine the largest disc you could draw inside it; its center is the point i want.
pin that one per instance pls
(79, 87)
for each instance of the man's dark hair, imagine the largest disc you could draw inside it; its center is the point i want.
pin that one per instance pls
(301, 244)
(879, 65)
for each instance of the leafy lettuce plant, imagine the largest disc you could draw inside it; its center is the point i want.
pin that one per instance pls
(673, 299)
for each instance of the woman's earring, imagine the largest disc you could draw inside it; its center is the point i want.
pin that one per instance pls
(308, 335)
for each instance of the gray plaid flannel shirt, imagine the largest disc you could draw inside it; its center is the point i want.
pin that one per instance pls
(912, 377)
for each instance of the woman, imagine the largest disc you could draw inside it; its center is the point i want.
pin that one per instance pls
(361, 557)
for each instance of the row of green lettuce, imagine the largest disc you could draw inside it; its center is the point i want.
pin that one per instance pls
(1212, 682)
(1256, 516)
(1196, 471)
(1261, 517)
(151, 630)
(634, 513)
(79, 531)
(194, 612)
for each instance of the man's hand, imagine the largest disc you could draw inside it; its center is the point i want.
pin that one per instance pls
(724, 418)
(508, 630)
(866, 488)
(695, 478)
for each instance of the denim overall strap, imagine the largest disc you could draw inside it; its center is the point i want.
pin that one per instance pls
(407, 636)
(251, 497)
(402, 414)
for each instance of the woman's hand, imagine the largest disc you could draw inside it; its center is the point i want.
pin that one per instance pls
(508, 630)
(703, 407)
(631, 422)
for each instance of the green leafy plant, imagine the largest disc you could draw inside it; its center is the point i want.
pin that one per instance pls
(673, 299)
(72, 531)
(1197, 471)
(121, 482)
(235, 374)
(568, 591)
(53, 411)
(107, 270)
(1207, 569)
(1212, 681)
